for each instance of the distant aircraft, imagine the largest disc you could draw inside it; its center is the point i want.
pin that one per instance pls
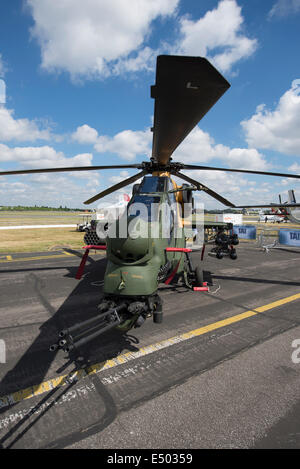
(274, 218)
(283, 211)
(292, 213)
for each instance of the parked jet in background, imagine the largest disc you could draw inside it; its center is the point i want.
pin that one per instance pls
(284, 211)
(290, 213)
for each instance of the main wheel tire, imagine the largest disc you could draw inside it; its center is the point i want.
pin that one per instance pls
(199, 276)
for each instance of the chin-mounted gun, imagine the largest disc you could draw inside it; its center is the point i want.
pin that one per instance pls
(83, 332)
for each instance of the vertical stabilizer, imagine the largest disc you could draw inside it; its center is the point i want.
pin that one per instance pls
(292, 198)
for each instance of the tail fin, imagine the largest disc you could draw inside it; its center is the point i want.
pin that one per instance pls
(292, 198)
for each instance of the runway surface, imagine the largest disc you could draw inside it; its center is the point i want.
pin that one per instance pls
(217, 373)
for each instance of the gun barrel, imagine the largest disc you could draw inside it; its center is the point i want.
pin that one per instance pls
(83, 324)
(90, 337)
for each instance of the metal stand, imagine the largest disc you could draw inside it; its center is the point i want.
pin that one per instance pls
(191, 270)
(85, 256)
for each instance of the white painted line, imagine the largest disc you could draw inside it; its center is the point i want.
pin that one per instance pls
(18, 415)
(29, 227)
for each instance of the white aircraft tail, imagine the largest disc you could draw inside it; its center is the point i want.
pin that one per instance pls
(293, 213)
(292, 198)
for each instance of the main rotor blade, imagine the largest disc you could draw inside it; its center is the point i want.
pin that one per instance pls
(246, 171)
(202, 187)
(185, 89)
(116, 187)
(269, 206)
(72, 168)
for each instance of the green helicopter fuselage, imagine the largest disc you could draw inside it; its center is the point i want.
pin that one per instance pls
(136, 245)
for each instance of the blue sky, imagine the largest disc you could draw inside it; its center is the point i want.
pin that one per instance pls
(78, 78)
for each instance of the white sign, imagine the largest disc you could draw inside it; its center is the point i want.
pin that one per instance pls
(234, 218)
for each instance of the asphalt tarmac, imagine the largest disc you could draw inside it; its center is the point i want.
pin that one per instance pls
(221, 371)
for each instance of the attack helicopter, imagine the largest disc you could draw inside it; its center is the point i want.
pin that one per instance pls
(185, 90)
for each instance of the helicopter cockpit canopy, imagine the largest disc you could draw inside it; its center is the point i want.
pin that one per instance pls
(152, 184)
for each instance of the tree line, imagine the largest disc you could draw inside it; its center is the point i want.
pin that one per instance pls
(18, 208)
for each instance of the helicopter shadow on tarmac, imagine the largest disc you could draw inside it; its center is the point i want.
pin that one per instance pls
(33, 367)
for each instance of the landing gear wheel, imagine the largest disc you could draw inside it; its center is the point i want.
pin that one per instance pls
(199, 276)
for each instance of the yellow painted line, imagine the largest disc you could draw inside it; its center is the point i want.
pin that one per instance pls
(275, 304)
(28, 393)
(26, 259)
(69, 253)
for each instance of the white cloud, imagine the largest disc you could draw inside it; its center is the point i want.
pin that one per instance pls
(51, 190)
(218, 36)
(87, 38)
(295, 168)
(284, 8)
(144, 60)
(70, 188)
(90, 178)
(13, 187)
(19, 129)
(2, 92)
(231, 186)
(236, 188)
(126, 144)
(43, 157)
(85, 134)
(47, 157)
(199, 147)
(279, 129)
(244, 158)
(116, 179)
(97, 38)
